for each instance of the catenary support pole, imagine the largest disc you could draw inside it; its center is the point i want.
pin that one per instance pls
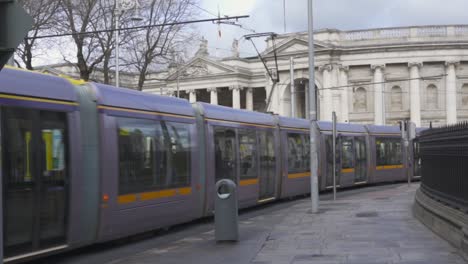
(334, 154)
(312, 114)
(293, 88)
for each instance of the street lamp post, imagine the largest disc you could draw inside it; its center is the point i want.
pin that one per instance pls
(121, 7)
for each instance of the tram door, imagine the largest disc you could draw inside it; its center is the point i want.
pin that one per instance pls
(267, 164)
(34, 180)
(360, 173)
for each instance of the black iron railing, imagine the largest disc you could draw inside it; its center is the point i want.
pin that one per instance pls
(444, 164)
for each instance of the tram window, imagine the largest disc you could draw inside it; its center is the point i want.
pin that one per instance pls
(248, 153)
(388, 151)
(347, 151)
(136, 156)
(19, 153)
(53, 140)
(177, 149)
(225, 153)
(267, 148)
(153, 155)
(295, 153)
(306, 158)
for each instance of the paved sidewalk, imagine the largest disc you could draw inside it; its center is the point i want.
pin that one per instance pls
(369, 225)
(373, 227)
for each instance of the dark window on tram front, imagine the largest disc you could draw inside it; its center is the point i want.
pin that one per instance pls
(347, 153)
(35, 175)
(388, 151)
(248, 153)
(153, 155)
(296, 153)
(225, 153)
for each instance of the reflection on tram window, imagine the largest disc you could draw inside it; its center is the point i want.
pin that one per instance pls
(296, 153)
(225, 153)
(177, 150)
(248, 153)
(53, 140)
(153, 155)
(347, 151)
(306, 158)
(388, 151)
(267, 151)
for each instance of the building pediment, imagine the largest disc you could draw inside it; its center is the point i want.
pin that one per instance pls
(202, 66)
(294, 45)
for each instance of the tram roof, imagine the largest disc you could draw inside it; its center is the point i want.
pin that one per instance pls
(341, 127)
(294, 122)
(28, 83)
(132, 99)
(377, 129)
(224, 113)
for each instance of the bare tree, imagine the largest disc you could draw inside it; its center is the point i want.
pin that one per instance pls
(150, 47)
(82, 16)
(44, 13)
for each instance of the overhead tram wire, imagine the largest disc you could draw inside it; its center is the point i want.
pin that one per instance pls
(218, 16)
(226, 18)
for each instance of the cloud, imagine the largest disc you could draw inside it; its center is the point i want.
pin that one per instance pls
(267, 15)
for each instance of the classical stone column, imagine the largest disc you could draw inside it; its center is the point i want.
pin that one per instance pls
(327, 93)
(192, 95)
(451, 92)
(344, 94)
(249, 99)
(379, 107)
(213, 95)
(415, 98)
(236, 103)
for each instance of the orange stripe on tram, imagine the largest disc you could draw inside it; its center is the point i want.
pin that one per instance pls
(248, 182)
(146, 196)
(299, 175)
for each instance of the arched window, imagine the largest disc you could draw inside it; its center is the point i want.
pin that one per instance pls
(432, 99)
(464, 95)
(360, 100)
(396, 98)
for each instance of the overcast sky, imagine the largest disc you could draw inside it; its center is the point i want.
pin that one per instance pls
(267, 15)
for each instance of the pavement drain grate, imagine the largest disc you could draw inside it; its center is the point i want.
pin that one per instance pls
(367, 214)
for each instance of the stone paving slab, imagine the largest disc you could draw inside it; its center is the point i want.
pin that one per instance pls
(371, 225)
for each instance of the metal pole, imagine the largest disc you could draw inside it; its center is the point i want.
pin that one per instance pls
(284, 15)
(312, 114)
(293, 89)
(178, 95)
(117, 47)
(407, 143)
(383, 105)
(334, 154)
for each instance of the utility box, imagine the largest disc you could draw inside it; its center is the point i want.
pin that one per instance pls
(226, 211)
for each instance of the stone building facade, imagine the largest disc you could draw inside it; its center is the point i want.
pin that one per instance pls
(376, 76)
